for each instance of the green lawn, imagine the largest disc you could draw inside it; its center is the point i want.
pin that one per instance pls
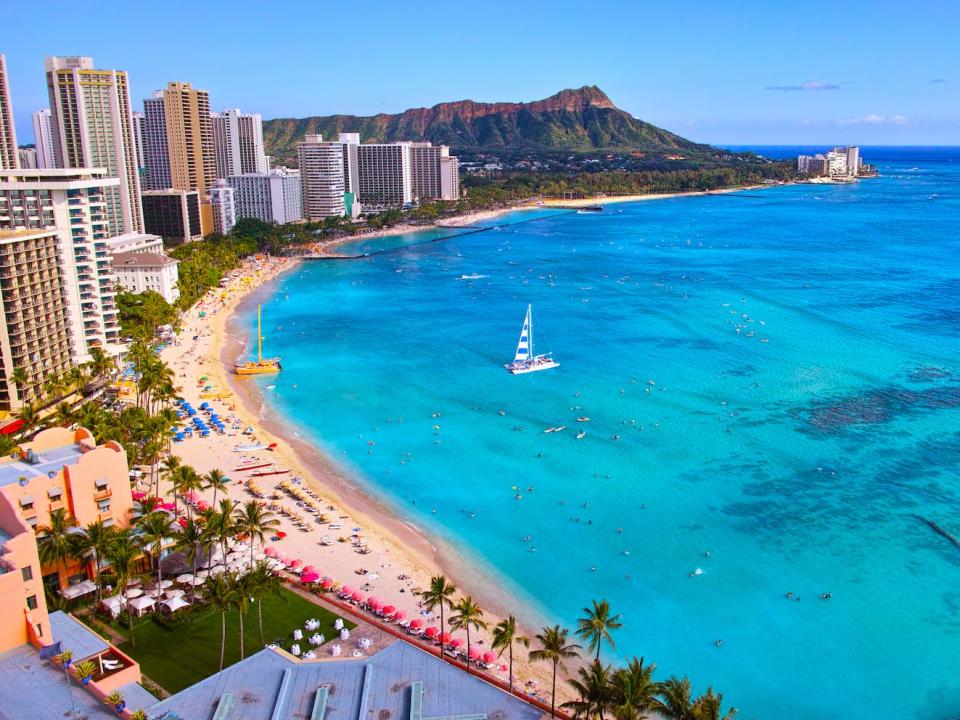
(178, 658)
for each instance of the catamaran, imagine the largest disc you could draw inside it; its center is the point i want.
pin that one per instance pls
(525, 361)
(263, 365)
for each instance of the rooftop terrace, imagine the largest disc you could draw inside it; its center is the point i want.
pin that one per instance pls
(400, 682)
(48, 461)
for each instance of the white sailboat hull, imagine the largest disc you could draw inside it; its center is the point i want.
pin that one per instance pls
(536, 365)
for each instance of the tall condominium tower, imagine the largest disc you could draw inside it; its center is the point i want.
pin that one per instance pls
(43, 139)
(156, 160)
(238, 143)
(274, 197)
(92, 126)
(384, 175)
(8, 133)
(138, 142)
(72, 204)
(321, 178)
(189, 137)
(435, 173)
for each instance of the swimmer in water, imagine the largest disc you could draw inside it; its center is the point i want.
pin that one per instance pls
(718, 643)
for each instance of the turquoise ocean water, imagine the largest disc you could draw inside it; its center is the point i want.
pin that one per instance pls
(802, 464)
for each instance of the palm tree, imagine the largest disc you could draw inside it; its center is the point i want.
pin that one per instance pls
(255, 521)
(240, 600)
(30, 417)
(554, 648)
(190, 541)
(708, 707)
(674, 699)
(122, 555)
(467, 614)
(263, 581)
(634, 690)
(440, 594)
(219, 525)
(56, 542)
(216, 480)
(594, 693)
(504, 636)
(189, 481)
(596, 625)
(147, 505)
(95, 540)
(100, 364)
(169, 467)
(218, 594)
(155, 529)
(63, 414)
(20, 378)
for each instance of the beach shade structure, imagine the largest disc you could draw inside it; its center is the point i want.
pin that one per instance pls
(336, 650)
(373, 603)
(327, 584)
(197, 581)
(388, 611)
(307, 578)
(297, 563)
(338, 624)
(174, 592)
(175, 603)
(356, 596)
(309, 655)
(346, 591)
(431, 632)
(364, 643)
(488, 657)
(475, 653)
(112, 605)
(270, 552)
(312, 624)
(399, 615)
(317, 639)
(142, 604)
(133, 593)
(298, 634)
(416, 624)
(445, 638)
(455, 643)
(344, 634)
(308, 569)
(295, 649)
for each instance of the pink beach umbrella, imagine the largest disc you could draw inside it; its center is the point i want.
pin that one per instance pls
(455, 643)
(138, 495)
(168, 506)
(445, 638)
(309, 569)
(416, 624)
(399, 615)
(346, 591)
(182, 521)
(373, 603)
(327, 584)
(488, 657)
(431, 632)
(296, 563)
(475, 653)
(310, 577)
(270, 552)
(387, 610)
(357, 596)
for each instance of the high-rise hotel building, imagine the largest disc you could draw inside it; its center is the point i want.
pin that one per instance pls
(384, 176)
(8, 132)
(43, 139)
(238, 143)
(435, 172)
(92, 124)
(156, 161)
(321, 178)
(70, 205)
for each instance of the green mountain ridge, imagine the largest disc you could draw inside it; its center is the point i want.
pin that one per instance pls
(582, 120)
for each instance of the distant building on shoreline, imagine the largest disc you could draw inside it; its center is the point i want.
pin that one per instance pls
(321, 178)
(174, 215)
(43, 139)
(841, 162)
(274, 197)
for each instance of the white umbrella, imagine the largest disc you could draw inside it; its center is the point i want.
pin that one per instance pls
(185, 578)
(311, 624)
(217, 570)
(164, 584)
(309, 655)
(295, 649)
(174, 593)
(344, 634)
(365, 643)
(298, 634)
(338, 624)
(134, 592)
(133, 582)
(203, 574)
(142, 603)
(336, 650)
(198, 581)
(316, 639)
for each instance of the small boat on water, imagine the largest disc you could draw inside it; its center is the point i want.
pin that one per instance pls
(583, 419)
(262, 366)
(590, 209)
(582, 434)
(524, 360)
(555, 429)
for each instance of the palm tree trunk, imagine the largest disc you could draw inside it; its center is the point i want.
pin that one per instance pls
(440, 637)
(553, 692)
(260, 618)
(468, 643)
(510, 674)
(240, 614)
(223, 635)
(133, 635)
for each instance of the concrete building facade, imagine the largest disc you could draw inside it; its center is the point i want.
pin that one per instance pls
(135, 242)
(174, 215)
(321, 178)
(43, 139)
(142, 271)
(222, 201)
(92, 123)
(34, 326)
(156, 160)
(238, 143)
(435, 173)
(384, 177)
(8, 130)
(138, 143)
(27, 158)
(73, 203)
(274, 197)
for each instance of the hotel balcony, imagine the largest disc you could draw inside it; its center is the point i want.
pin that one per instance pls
(103, 494)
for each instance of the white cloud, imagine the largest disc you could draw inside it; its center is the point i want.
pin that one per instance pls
(808, 85)
(874, 119)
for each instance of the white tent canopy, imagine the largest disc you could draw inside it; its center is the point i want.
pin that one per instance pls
(141, 604)
(113, 605)
(175, 603)
(81, 588)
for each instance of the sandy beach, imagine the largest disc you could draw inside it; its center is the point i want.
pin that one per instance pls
(369, 548)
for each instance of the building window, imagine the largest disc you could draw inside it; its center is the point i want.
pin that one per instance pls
(32, 602)
(27, 573)
(39, 630)
(104, 506)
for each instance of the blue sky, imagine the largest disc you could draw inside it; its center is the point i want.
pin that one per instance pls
(753, 72)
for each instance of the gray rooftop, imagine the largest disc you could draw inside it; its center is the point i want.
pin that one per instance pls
(33, 688)
(75, 636)
(137, 697)
(48, 461)
(142, 260)
(269, 685)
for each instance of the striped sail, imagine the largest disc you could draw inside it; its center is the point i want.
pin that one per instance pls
(523, 347)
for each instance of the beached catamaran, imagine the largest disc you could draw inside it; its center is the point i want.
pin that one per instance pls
(263, 365)
(524, 361)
